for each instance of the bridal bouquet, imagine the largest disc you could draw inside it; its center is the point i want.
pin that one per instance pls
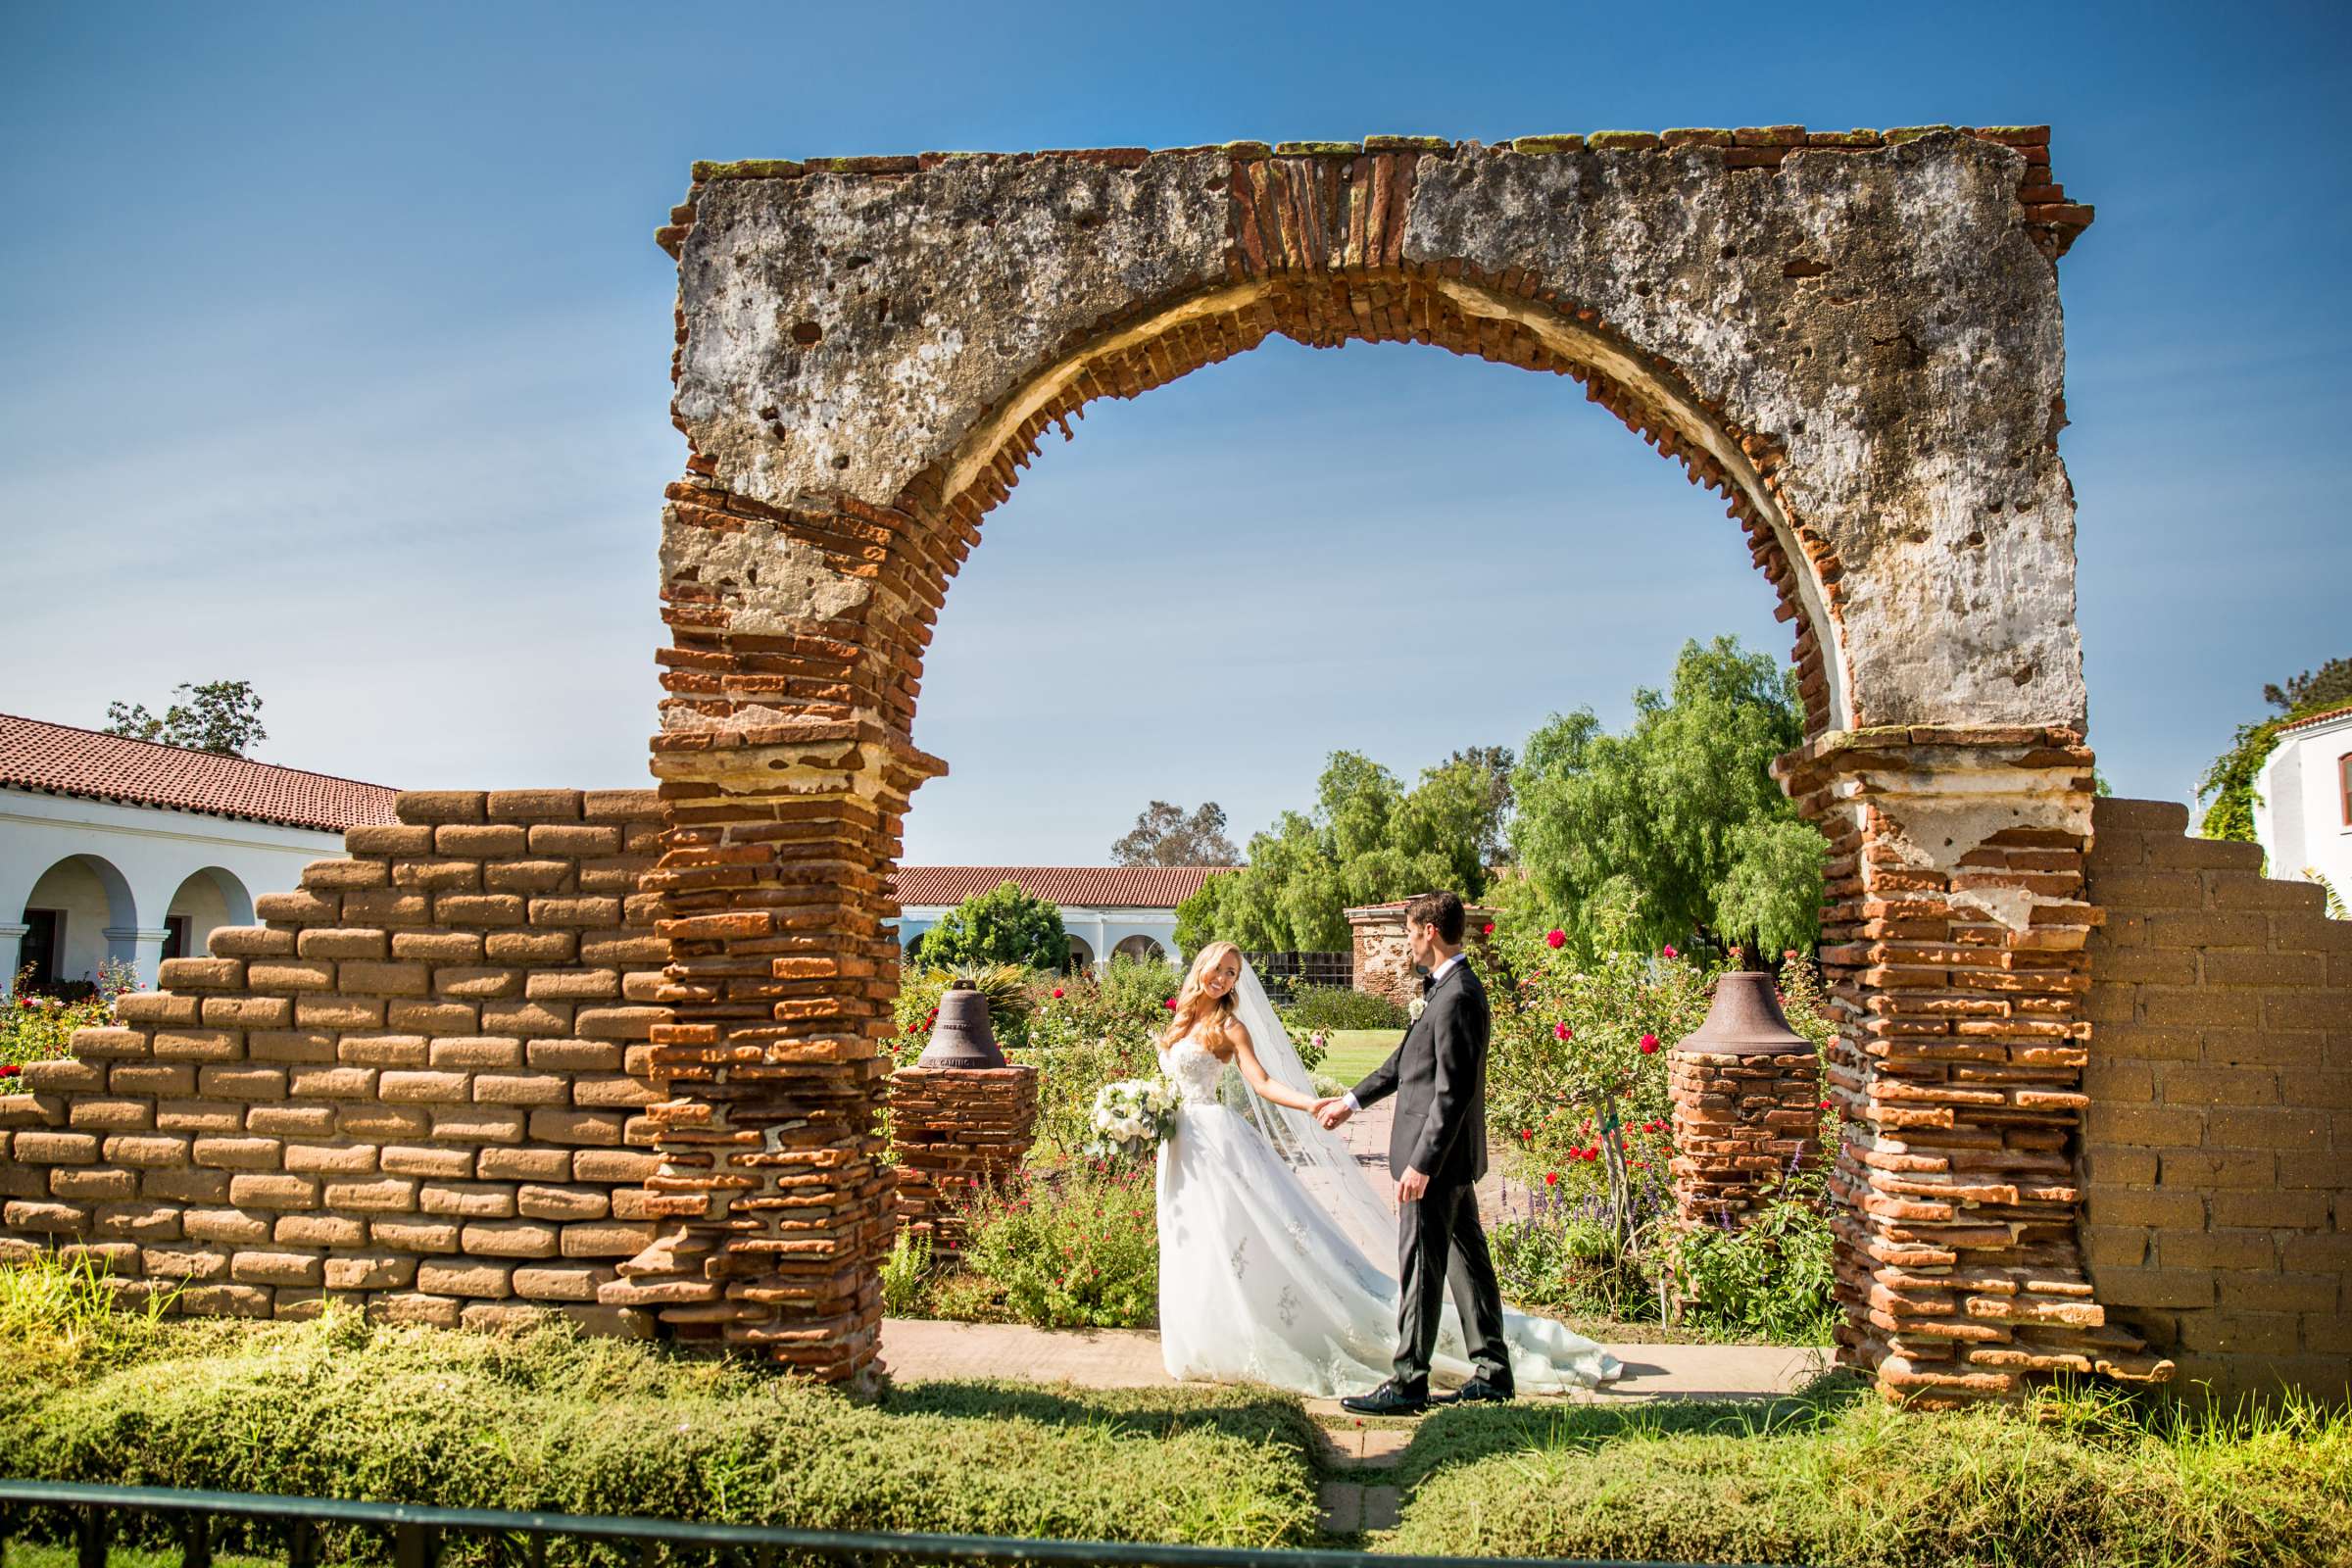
(1132, 1115)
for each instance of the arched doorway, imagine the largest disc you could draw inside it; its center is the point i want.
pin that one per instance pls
(79, 915)
(1852, 338)
(204, 902)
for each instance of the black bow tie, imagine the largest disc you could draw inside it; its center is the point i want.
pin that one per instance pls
(1427, 981)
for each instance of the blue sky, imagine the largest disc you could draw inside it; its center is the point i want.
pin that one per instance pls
(333, 351)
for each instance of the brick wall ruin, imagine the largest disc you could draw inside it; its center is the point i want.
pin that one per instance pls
(2218, 1146)
(410, 1088)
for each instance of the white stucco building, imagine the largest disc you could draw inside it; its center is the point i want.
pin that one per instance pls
(1107, 909)
(119, 849)
(2303, 801)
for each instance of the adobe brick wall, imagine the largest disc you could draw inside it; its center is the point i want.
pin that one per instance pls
(2218, 1144)
(410, 1088)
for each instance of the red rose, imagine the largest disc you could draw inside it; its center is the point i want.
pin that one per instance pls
(9, 1069)
(1670, 953)
(1556, 938)
(1649, 1043)
(1788, 952)
(1487, 930)
(1563, 1032)
(1825, 1105)
(1058, 993)
(1550, 1177)
(1170, 1004)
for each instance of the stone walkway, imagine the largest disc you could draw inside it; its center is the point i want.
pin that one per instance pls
(922, 1350)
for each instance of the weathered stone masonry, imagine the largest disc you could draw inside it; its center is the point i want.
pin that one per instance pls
(1853, 338)
(410, 1088)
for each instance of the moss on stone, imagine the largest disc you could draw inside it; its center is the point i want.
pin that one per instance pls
(1696, 136)
(1539, 145)
(1407, 144)
(1317, 149)
(748, 168)
(1619, 141)
(1249, 151)
(1903, 134)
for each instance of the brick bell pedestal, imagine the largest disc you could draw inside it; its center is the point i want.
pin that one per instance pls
(953, 1129)
(1954, 951)
(1743, 1121)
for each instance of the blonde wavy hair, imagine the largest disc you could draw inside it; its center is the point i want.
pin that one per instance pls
(1193, 1004)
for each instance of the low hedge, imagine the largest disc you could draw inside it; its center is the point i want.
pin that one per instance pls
(550, 1420)
(1841, 1478)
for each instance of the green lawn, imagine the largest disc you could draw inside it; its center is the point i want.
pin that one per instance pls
(1356, 1051)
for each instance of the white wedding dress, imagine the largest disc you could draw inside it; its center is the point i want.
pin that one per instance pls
(1262, 1281)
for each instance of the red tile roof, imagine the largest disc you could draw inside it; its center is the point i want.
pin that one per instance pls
(2321, 717)
(1116, 886)
(61, 760)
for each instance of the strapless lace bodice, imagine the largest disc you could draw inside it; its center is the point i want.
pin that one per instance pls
(1195, 1069)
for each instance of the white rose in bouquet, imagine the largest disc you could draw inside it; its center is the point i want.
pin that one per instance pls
(1414, 1008)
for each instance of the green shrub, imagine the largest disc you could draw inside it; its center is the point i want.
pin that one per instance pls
(1078, 1247)
(1315, 1008)
(906, 1275)
(2073, 1481)
(1771, 1277)
(548, 1420)
(1004, 925)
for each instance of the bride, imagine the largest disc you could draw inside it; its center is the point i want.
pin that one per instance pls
(1273, 1242)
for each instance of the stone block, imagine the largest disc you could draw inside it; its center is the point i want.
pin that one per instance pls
(404, 1052)
(308, 1046)
(436, 807)
(532, 949)
(559, 1282)
(272, 1190)
(509, 1239)
(603, 1129)
(481, 1124)
(221, 1116)
(291, 1122)
(482, 842)
(530, 1019)
(432, 1162)
(332, 1159)
(319, 1012)
(227, 1300)
(564, 1205)
(525, 1164)
(341, 942)
(437, 947)
(414, 1307)
(422, 1087)
(383, 978)
(465, 1278)
(369, 1271)
(152, 1079)
(92, 1111)
(477, 983)
(241, 1082)
(413, 1234)
(521, 1089)
(382, 1123)
(534, 805)
(467, 1200)
(277, 1268)
(248, 1012)
(605, 1239)
(291, 974)
(227, 1227)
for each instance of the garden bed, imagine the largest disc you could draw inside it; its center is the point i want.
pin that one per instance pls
(548, 1420)
(1837, 1477)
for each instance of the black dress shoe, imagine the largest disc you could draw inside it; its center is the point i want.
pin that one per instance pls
(1387, 1400)
(1482, 1390)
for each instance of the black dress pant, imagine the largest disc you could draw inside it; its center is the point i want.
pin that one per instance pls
(1440, 1246)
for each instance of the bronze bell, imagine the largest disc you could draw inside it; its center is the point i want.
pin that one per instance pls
(961, 1038)
(1745, 1020)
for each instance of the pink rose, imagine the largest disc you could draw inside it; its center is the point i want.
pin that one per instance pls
(1555, 939)
(1670, 953)
(1649, 1043)
(1563, 1032)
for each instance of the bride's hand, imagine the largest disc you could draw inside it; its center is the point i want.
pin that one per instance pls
(1332, 1113)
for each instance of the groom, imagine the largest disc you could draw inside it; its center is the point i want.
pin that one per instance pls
(1436, 1152)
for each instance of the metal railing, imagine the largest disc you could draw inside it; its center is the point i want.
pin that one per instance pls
(420, 1533)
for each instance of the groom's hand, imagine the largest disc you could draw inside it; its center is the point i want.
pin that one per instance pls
(1332, 1113)
(1410, 1186)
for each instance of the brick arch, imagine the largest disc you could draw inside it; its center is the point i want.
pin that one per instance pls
(1853, 338)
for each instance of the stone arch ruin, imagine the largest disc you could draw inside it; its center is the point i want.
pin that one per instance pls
(1855, 338)
(615, 1054)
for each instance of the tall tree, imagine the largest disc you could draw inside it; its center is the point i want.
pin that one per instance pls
(2327, 686)
(222, 715)
(1368, 840)
(1164, 834)
(1679, 816)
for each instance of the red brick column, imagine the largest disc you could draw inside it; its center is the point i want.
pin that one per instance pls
(1740, 1124)
(1955, 956)
(955, 1128)
(785, 771)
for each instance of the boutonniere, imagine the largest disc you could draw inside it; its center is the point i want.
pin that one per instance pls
(1414, 1008)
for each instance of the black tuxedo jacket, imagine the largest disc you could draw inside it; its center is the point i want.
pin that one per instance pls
(1439, 1075)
